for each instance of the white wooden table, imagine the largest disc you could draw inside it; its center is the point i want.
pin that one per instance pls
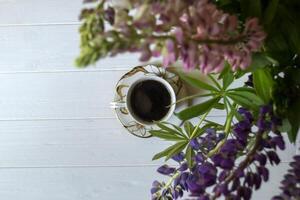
(59, 140)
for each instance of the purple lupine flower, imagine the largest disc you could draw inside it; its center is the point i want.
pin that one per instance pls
(257, 181)
(273, 157)
(203, 197)
(290, 185)
(263, 172)
(109, 15)
(277, 141)
(267, 109)
(235, 184)
(166, 170)
(222, 176)
(183, 180)
(214, 172)
(183, 167)
(178, 157)
(194, 144)
(156, 186)
(263, 125)
(261, 158)
(246, 114)
(199, 158)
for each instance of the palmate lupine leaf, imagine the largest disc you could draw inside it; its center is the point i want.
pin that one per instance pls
(188, 127)
(263, 84)
(176, 131)
(219, 106)
(166, 135)
(196, 82)
(227, 80)
(189, 154)
(248, 95)
(198, 109)
(171, 151)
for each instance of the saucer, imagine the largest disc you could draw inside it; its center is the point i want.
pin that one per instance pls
(121, 90)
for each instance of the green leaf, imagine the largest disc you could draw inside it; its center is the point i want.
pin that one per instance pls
(214, 124)
(226, 70)
(166, 128)
(202, 130)
(263, 84)
(198, 109)
(239, 73)
(248, 95)
(180, 146)
(219, 106)
(188, 127)
(261, 60)
(247, 89)
(270, 12)
(286, 126)
(196, 82)
(189, 156)
(251, 8)
(242, 101)
(168, 150)
(214, 81)
(166, 135)
(294, 119)
(227, 79)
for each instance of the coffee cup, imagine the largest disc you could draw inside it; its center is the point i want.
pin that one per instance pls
(149, 99)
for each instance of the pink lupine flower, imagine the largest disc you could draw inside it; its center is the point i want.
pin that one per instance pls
(195, 32)
(146, 53)
(190, 56)
(178, 34)
(170, 56)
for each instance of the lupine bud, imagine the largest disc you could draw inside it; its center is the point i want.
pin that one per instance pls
(179, 157)
(166, 170)
(273, 157)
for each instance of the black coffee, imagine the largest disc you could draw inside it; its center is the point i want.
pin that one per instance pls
(149, 100)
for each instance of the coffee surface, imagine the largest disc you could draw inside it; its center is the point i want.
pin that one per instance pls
(149, 100)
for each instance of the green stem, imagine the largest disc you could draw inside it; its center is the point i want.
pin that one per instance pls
(200, 122)
(193, 96)
(227, 131)
(171, 180)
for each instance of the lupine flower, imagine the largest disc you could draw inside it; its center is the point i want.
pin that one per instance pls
(178, 157)
(221, 173)
(194, 32)
(166, 170)
(290, 185)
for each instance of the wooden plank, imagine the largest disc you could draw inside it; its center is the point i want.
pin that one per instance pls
(98, 183)
(48, 49)
(37, 12)
(62, 143)
(77, 183)
(58, 95)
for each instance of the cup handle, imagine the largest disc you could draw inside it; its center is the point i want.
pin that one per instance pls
(117, 104)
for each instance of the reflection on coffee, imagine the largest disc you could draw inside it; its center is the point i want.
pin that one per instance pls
(150, 100)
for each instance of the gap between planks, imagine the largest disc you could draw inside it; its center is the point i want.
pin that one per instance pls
(96, 166)
(75, 119)
(75, 70)
(42, 24)
(84, 166)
